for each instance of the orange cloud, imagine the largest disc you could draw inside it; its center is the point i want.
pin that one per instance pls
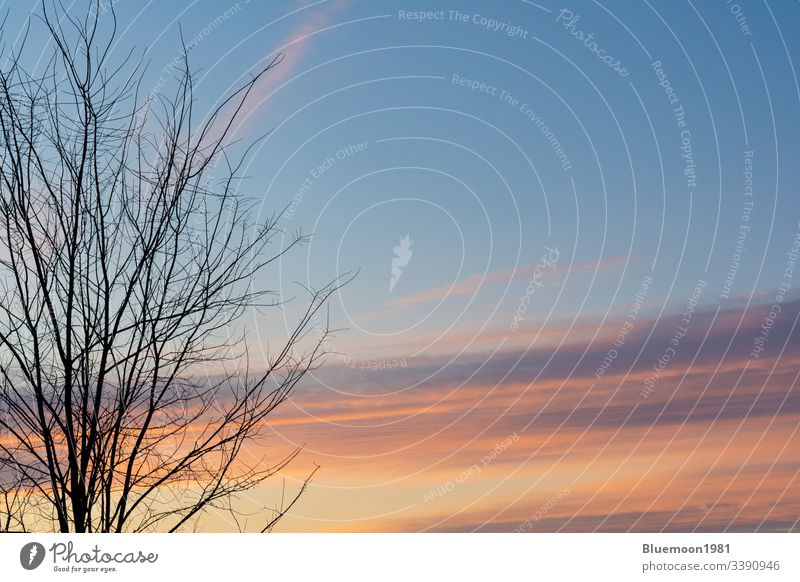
(711, 449)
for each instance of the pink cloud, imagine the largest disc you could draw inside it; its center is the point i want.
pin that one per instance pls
(474, 283)
(294, 47)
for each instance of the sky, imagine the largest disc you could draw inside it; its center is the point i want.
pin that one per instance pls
(575, 230)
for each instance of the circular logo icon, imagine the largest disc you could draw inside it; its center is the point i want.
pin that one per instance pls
(31, 555)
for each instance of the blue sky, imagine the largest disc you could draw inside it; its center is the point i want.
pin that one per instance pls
(472, 166)
(447, 130)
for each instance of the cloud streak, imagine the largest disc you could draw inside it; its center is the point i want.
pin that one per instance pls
(720, 424)
(474, 283)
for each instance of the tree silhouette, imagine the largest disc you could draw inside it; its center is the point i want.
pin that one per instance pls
(124, 269)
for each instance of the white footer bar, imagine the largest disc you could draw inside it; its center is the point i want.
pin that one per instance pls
(402, 557)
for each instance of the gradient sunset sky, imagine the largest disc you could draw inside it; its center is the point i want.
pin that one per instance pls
(593, 322)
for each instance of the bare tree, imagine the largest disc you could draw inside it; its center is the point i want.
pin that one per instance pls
(124, 269)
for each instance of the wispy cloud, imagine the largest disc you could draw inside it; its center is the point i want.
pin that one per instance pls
(294, 47)
(474, 283)
(719, 423)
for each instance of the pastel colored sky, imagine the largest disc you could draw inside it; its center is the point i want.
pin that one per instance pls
(547, 204)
